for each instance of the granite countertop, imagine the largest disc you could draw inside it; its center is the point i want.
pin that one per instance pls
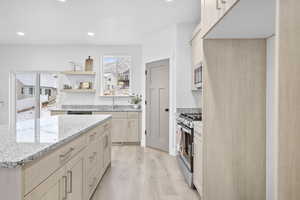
(31, 139)
(97, 108)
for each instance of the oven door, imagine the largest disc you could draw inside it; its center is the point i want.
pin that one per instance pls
(185, 145)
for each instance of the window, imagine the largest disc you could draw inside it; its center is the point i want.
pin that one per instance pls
(31, 91)
(30, 104)
(116, 75)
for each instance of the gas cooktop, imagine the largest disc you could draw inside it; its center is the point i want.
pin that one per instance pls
(191, 116)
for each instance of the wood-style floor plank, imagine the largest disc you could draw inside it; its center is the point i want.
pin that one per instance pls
(143, 174)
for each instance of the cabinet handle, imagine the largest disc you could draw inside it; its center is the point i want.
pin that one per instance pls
(218, 6)
(66, 155)
(106, 141)
(193, 149)
(93, 183)
(65, 187)
(92, 137)
(70, 175)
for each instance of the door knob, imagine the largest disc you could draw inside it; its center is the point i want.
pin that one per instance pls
(167, 109)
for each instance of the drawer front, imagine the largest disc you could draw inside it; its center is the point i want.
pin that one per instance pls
(92, 156)
(118, 115)
(38, 171)
(133, 115)
(93, 135)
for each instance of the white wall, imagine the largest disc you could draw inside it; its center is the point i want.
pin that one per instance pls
(173, 43)
(184, 97)
(56, 58)
(158, 46)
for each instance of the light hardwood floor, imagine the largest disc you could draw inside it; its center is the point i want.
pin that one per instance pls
(143, 174)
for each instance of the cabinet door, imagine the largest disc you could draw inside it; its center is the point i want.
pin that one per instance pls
(53, 188)
(106, 149)
(100, 157)
(119, 130)
(133, 130)
(228, 4)
(212, 9)
(76, 178)
(198, 164)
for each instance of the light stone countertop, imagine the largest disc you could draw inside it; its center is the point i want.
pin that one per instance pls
(32, 139)
(97, 108)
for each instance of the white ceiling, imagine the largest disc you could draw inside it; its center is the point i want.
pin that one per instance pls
(113, 21)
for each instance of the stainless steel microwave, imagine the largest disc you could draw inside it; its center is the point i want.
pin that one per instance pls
(198, 76)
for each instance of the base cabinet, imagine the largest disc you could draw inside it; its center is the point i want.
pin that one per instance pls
(52, 189)
(126, 126)
(80, 173)
(75, 178)
(133, 130)
(198, 164)
(119, 130)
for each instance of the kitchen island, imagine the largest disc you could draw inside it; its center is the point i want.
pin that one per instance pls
(61, 157)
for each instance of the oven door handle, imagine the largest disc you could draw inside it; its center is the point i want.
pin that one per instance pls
(186, 130)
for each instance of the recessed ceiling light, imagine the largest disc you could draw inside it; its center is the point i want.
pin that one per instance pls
(61, 0)
(91, 34)
(20, 33)
(169, 0)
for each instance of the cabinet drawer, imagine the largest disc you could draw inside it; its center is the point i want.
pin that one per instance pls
(52, 188)
(37, 172)
(133, 115)
(93, 135)
(91, 158)
(106, 126)
(118, 115)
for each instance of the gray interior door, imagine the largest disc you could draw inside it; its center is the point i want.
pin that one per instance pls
(157, 107)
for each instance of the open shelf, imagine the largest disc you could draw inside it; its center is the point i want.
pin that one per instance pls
(79, 90)
(91, 73)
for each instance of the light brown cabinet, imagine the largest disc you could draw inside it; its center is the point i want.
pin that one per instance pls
(213, 11)
(119, 130)
(126, 126)
(77, 175)
(52, 189)
(133, 130)
(198, 164)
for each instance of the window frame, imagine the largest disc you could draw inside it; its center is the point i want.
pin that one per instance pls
(102, 85)
(12, 94)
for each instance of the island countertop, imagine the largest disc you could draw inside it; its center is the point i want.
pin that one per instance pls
(31, 139)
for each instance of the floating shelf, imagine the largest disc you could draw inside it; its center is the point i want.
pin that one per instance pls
(91, 73)
(79, 90)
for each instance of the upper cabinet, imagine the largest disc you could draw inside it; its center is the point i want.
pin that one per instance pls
(213, 11)
(237, 19)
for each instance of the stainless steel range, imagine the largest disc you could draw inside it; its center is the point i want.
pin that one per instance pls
(185, 143)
